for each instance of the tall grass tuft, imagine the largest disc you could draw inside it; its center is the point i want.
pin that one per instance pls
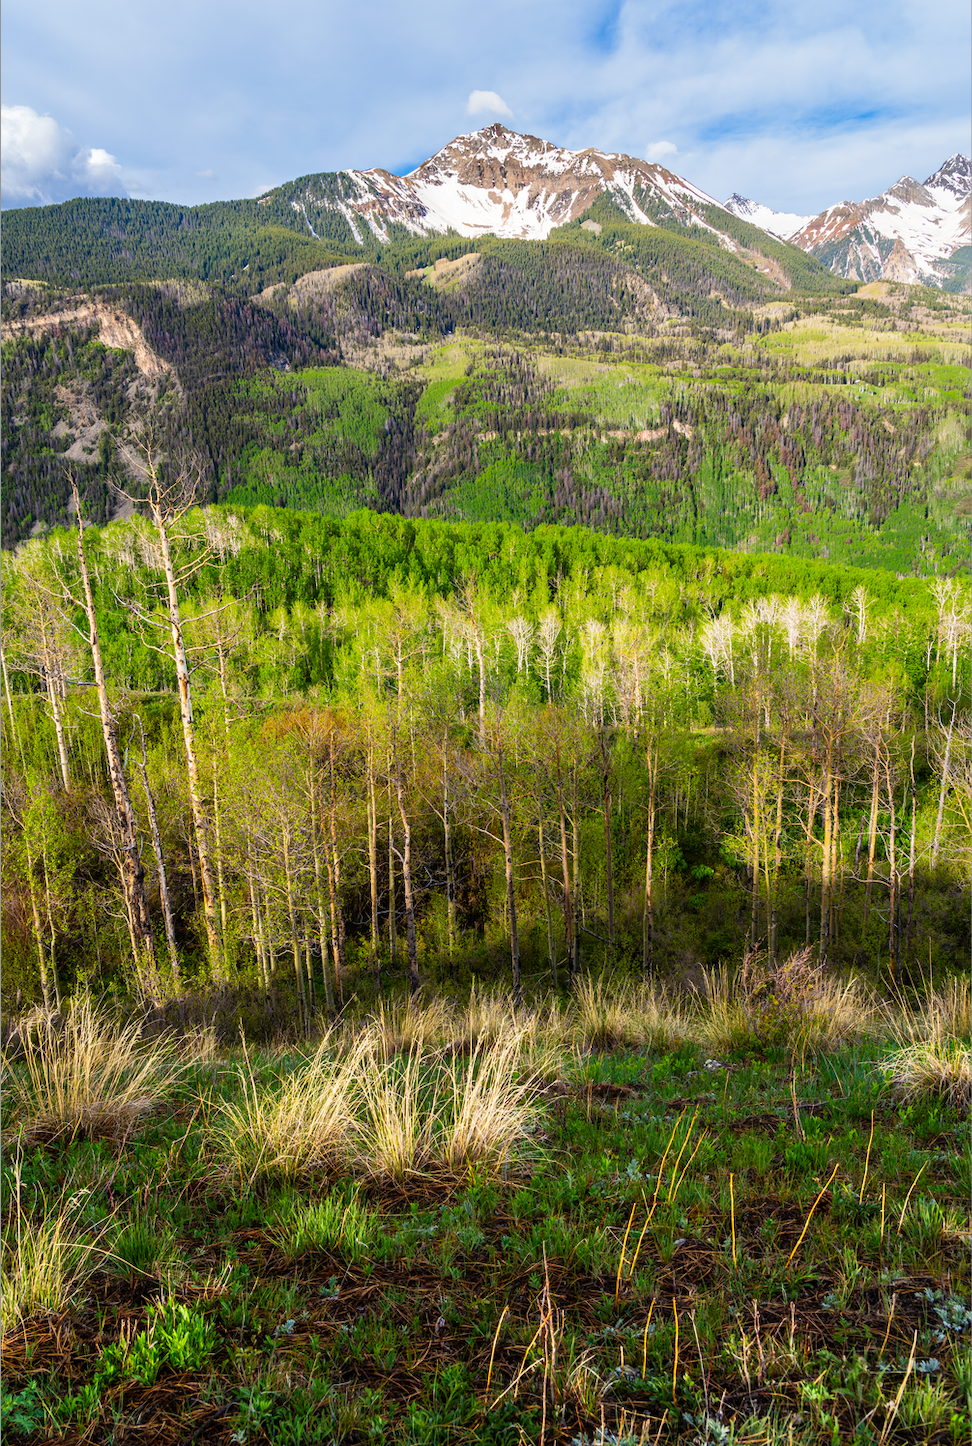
(932, 1057)
(42, 1263)
(793, 1003)
(491, 1109)
(87, 1073)
(539, 1033)
(435, 1117)
(296, 1127)
(609, 1013)
(415, 1023)
(397, 1116)
(490, 1016)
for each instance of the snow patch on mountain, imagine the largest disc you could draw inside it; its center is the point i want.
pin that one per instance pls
(778, 223)
(919, 226)
(495, 181)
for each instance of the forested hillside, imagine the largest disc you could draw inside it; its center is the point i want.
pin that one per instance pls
(825, 426)
(444, 750)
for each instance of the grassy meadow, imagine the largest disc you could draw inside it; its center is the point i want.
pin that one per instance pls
(739, 1214)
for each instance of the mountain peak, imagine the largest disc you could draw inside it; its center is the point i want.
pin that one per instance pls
(740, 205)
(500, 181)
(493, 142)
(955, 176)
(924, 224)
(777, 223)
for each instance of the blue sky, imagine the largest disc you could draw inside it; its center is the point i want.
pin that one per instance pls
(794, 105)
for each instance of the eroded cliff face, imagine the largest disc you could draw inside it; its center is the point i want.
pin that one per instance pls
(83, 424)
(115, 330)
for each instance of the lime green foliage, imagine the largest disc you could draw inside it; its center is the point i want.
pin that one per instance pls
(339, 1222)
(178, 1338)
(435, 409)
(319, 632)
(775, 440)
(321, 437)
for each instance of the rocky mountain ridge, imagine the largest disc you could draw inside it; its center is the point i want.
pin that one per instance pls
(496, 181)
(911, 232)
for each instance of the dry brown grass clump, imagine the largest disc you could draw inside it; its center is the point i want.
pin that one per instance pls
(200, 1045)
(538, 1032)
(86, 1073)
(416, 1023)
(365, 1103)
(607, 1013)
(795, 1004)
(932, 1055)
(490, 1016)
(933, 1068)
(296, 1126)
(434, 1117)
(491, 1107)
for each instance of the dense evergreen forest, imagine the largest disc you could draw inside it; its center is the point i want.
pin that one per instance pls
(300, 757)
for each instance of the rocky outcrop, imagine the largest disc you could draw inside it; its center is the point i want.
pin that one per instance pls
(901, 265)
(115, 330)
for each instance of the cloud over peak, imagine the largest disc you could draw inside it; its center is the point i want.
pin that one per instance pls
(487, 102)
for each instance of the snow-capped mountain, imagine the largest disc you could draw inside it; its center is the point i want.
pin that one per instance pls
(778, 223)
(495, 180)
(908, 233)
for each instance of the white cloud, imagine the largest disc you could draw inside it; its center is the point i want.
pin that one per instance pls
(204, 175)
(98, 170)
(43, 163)
(487, 102)
(658, 150)
(36, 153)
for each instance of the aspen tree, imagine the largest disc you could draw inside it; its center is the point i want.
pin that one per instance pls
(132, 872)
(439, 782)
(405, 856)
(496, 764)
(14, 798)
(167, 504)
(40, 635)
(943, 789)
(167, 910)
(554, 750)
(548, 633)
